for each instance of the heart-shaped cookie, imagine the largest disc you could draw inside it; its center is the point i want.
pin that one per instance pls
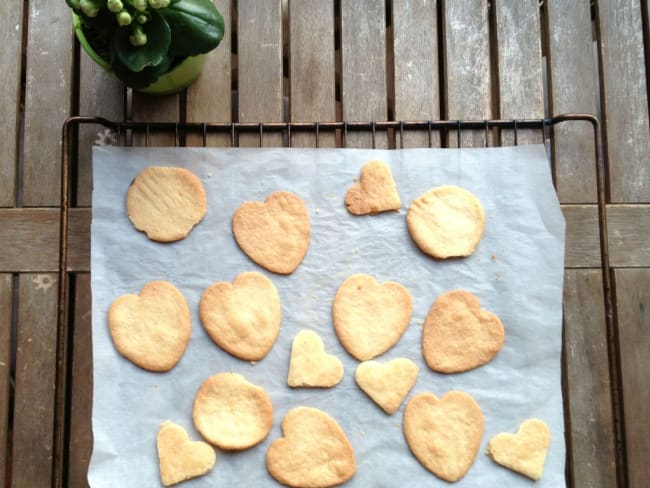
(151, 329)
(314, 452)
(375, 192)
(370, 317)
(444, 435)
(458, 335)
(274, 234)
(179, 458)
(243, 318)
(525, 451)
(387, 384)
(310, 365)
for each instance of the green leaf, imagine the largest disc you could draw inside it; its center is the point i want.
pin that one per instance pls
(140, 79)
(197, 26)
(152, 53)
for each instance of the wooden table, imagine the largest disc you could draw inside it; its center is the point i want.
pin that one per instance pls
(351, 60)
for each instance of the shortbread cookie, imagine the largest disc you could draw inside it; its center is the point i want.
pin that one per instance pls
(446, 222)
(274, 234)
(525, 451)
(458, 335)
(444, 435)
(314, 452)
(370, 317)
(179, 458)
(310, 366)
(151, 329)
(243, 318)
(376, 191)
(166, 203)
(232, 413)
(387, 384)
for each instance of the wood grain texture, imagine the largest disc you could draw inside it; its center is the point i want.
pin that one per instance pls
(6, 307)
(11, 32)
(47, 99)
(589, 411)
(363, 77)
(209, 99)
(467, 67)
(148, 108)
(35, 378)
(260, 67)
(573, 89)
(629, 235)
(625, 100)
(633, 304)
(582, 238)
(415, 48)
(81, 387)
(311, 68)
(521, 90)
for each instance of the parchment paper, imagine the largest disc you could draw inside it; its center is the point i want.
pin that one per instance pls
(516, 272)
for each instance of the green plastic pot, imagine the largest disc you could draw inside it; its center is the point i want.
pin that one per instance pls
(175, 80)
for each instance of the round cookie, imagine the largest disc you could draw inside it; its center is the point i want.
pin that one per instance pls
(165, 202)
(232, 413)
(446, 221)
(151, 329)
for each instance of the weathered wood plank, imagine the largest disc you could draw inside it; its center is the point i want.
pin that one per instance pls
(521, 91)
(625, 100)
(31, 239)
(591, 438)
(11, 33)
(415, 48)
(209, 99)
(633, 303)
(572, 89)
(260, 67)
(35, 378)
(6, 307)
(582, 240)
(311, 68)
(81, 387)
(363, 56)
(629, 235)
(467, 67)
(49, 73)
(147, 108)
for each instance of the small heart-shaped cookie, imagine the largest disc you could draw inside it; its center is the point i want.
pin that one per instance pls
(458, 335)
(525, 451)
(310, 366)
(444, 435)
(274, 234)
(243, 318)
(151, 329)
(232, 413)
(179, 458)
(314, 452)
(370, 317)
(387, 384)
(375, 192)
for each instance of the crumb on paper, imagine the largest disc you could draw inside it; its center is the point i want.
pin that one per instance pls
(493, 256)
(398, 424)
(355, 180)
(253, 363)
(318, 210)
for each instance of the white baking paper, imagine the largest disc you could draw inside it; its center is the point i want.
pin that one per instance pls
(516, 272)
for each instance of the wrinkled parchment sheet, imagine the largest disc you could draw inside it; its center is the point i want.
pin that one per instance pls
(516, 272)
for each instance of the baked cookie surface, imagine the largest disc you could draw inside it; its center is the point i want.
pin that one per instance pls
(376, 191)
(387, 384)
(310, 366)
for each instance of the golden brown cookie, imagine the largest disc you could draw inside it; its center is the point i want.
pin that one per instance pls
(376, 191)
(458, 335)
(243, 318)
(370, 317)
(446, 221)
(525, 451)
(232, 413)
(166, 203)
(387, 384)
(151, 329)
(179, 458)
(444, 435)
(310, 365)
(274, 234)
(314, 452)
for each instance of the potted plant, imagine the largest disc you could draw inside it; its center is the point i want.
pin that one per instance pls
(154, 46)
